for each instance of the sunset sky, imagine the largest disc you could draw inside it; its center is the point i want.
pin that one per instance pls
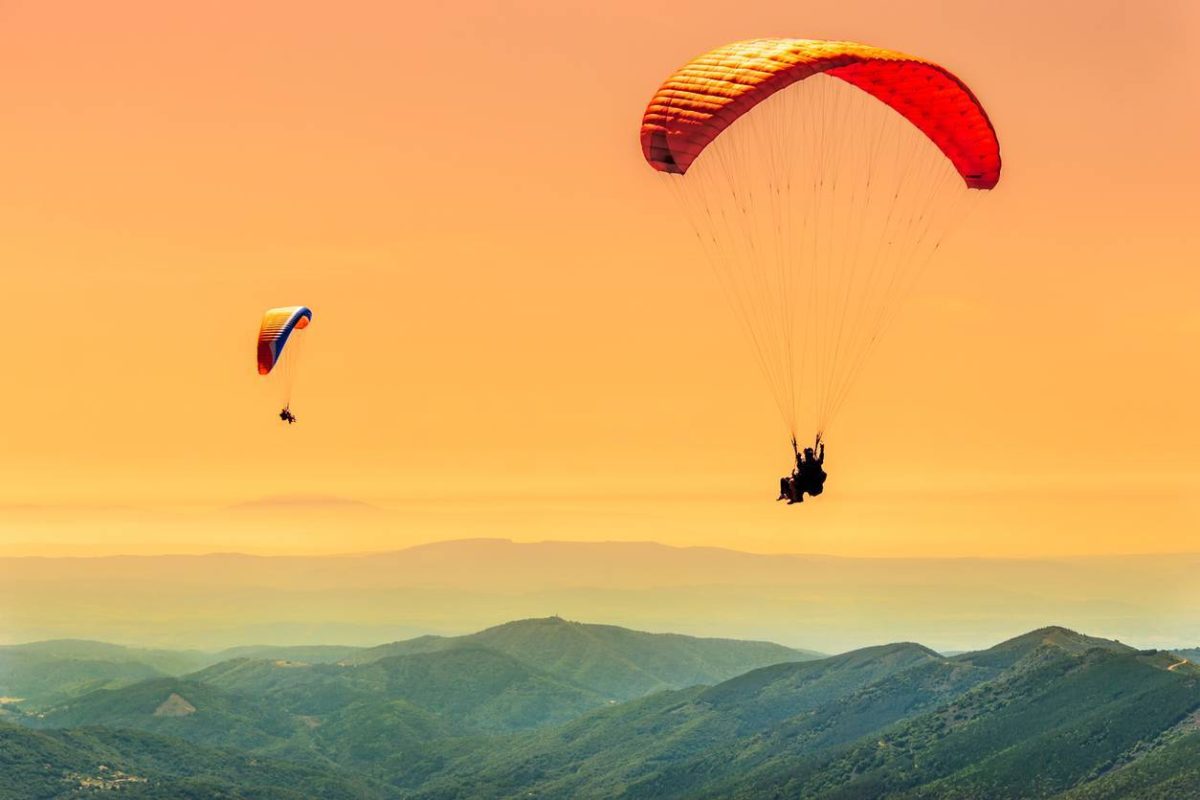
(506, 300)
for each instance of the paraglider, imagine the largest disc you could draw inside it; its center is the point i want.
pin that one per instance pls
(819, 178)
(279, 327)
(808, 476)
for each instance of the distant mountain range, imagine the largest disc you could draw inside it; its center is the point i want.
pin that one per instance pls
(827, 603)
(551, 708)
(605, 662)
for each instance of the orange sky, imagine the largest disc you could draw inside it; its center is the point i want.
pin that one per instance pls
(504, 295)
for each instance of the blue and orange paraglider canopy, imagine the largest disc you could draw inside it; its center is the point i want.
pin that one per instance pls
(277, 327)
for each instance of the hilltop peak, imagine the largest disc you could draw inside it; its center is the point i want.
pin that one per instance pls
(618, 662)
(553, 623)
(899, 647)
(551, 620)
(1065, 638)
(1012, 650)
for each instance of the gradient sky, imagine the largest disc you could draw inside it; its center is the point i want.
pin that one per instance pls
(506, 298)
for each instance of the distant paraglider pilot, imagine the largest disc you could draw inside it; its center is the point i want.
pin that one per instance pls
(807, 477)
(279, 327)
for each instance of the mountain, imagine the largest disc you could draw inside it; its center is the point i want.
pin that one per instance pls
(519, 676)
(181, 708)
(617, 662)
(44, 674)
(41, 675)
(493, 674)
(1054, 719)
(455, 587)
(661, 743)
(1169, 772)
(480, 688)
(614, 662)
(257, 704)
(1051, 639)
(405, 711)
(1036, 716)
(166, 661)
(394, 741)
(64, 765)
(311, 654)
(1052, 714)
(40, 684)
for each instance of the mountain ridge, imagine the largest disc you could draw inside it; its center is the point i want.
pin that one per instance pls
(1052, 713)
(456, 587)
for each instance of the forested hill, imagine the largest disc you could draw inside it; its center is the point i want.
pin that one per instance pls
(617, 661)
(528, 710)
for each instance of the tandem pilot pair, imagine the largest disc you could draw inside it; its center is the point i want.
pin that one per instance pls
(808, 476)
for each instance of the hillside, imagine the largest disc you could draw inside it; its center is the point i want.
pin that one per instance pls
(167, 661)
(1051, 639)
(46, 673)
(404, 711)
(1031, 717)
(617, 662)
(1048, 714)
(1169, 772)
(1192, 654)
(255, 704)
(1054, 718)
(40, 684)
(421, 695)
(312, 654)
(65, 765)
(181, 708)
(660, 741)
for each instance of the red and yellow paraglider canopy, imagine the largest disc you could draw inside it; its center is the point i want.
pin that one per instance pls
(703, 97)
(819, 178)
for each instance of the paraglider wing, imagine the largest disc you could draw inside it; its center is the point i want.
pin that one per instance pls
(277, 326)
(819, 179)
(705, 96)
